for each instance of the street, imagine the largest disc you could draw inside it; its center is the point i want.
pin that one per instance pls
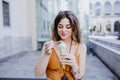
(22, 66)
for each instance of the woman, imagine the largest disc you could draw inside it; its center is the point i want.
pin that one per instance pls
(65, 29)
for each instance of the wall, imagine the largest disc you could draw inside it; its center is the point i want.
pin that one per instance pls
(20, 36)
(108, 55)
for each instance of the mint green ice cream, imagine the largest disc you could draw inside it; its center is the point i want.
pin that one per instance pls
(62, 47)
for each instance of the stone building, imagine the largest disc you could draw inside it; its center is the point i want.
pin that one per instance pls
(17, 27)
(105, 17)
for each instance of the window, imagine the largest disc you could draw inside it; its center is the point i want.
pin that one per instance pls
(117, 26)
(97, 8)
(108, 26)
(48, 24)
(117, 8)
(44, 25)
(90, 8)
(107, 8)
(6, 13)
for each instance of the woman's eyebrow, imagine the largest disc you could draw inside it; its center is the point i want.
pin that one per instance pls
(68, 25)
(60, 24)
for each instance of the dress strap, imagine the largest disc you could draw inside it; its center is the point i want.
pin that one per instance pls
(77, 53)
(77, 48)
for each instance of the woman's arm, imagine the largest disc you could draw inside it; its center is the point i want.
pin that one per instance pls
(79, 70)
(41, 66)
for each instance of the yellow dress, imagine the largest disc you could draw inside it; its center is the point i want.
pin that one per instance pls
(54, 70)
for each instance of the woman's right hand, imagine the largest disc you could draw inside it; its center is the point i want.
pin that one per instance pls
(48, 47)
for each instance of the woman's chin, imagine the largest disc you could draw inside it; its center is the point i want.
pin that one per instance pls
(63, 38)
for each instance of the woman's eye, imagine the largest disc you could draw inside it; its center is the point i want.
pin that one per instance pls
(60, 26)
(68, 27)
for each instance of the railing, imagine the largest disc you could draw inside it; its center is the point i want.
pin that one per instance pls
(109, 44)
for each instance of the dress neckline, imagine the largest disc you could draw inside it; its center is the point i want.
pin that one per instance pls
(57, 53)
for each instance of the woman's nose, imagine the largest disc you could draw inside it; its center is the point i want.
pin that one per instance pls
(64, 29)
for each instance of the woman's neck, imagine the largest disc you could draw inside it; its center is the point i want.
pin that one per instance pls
(68, 42)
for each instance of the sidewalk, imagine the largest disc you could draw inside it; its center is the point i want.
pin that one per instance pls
(96, 70)
(23, 67)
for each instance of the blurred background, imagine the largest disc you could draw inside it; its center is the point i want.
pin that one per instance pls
(26, 24)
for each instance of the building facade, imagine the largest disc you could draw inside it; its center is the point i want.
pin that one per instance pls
(104, 17)
(17, 27)
(45, 11)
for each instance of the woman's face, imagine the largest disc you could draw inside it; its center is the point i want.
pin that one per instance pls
(64, 29)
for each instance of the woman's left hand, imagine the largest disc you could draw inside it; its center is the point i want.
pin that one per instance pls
(68, 59)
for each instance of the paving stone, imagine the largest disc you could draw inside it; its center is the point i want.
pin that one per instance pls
(23, 67)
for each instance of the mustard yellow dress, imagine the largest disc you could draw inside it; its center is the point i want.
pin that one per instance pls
(54, 70)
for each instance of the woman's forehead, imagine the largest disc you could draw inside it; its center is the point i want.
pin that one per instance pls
(64, 21)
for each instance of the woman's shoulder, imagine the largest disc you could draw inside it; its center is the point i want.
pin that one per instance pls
(82, 47)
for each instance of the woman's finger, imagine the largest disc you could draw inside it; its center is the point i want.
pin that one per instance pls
(69, 62)
(48, 47)
(69, 56)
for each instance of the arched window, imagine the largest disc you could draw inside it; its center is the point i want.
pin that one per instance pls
(107, 8)
(97, 8)
(90, 8)
(117, 8)
(117, 26)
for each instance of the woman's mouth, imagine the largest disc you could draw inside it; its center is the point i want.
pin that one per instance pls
(63, 34)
